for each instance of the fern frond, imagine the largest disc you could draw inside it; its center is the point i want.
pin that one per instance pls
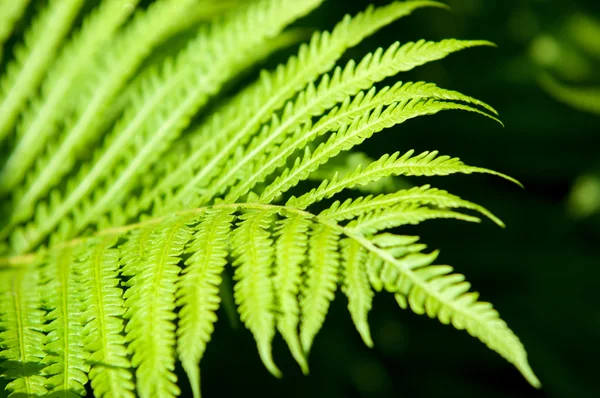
(39, 124)
(112, 70)
(150, 303)
(348, 111)
(322, 274)
(130, 137)
(356, 286)
(392, 262)
(424, 164)
(424, 195)
(31, 60)
(164, 108)
(402, 214)
(352, 134)
(21, 333)
(291, 248)
(66, 360)
(253, 290)
(381, 274)
(198, 290)
(274, 89)
(347, 162)
(110, 371)
(434, 291)
(330, 91)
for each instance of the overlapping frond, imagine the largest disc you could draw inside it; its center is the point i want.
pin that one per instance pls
(236, 123)
(103, 82)
(272, 292)
(424, 195)
(31, 59)
(39, 124)
(424, 164)
(353, 133)
(147, 183)
(161, 110)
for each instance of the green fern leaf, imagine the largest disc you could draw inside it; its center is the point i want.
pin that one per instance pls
(110, 372)
(402, 214)
(424, 195)
(322, 274)
(291, 248)
(150, 303)
(198, 290)
(356, 286)
(424, 164)
(112, 71)
(271, 92)
(136, 172)
(352, 134)
(253, 290)
(21, 333)
(66, 360)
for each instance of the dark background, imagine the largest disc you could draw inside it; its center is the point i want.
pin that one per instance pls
(541, 272)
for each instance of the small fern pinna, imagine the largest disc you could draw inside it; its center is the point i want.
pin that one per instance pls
(129, 182)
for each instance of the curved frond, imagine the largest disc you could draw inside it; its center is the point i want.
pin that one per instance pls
(435, 291)
(136, 173)
(352, 134)
(402, 214)
(424, 195)
(424, 164)
(331, 91)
